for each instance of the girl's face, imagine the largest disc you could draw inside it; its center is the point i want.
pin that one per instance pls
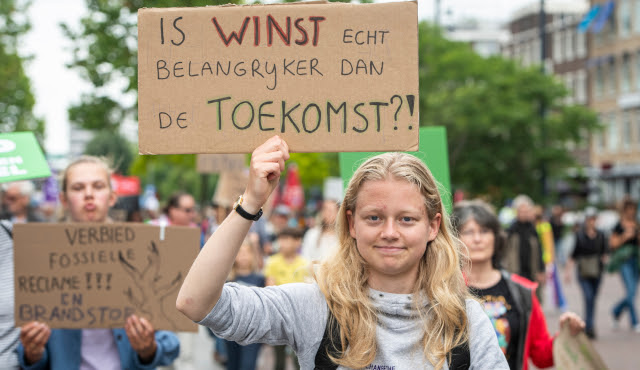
(479, 240)
(244, 258)
(391, 229)
(88, 195)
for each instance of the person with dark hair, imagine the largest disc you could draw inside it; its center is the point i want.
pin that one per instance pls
(625, 246)
(509, 299)
(589, 253)
(181, 209)
(286, 267)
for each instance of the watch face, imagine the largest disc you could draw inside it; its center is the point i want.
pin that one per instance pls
(238, 202)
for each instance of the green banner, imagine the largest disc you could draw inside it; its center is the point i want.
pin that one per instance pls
(21, 157)
(432, 151)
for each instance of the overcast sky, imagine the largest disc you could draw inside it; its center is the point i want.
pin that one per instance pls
(56, 87)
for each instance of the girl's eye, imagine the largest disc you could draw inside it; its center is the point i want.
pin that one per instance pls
(407, 219)
(374, 218)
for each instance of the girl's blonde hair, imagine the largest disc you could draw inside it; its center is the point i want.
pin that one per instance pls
(100, 161)
(343, 279)
(246, 243)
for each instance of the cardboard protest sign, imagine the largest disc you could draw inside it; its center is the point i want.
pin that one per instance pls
(230, 185)
(83, 275)
(21, 157)
(575, 352)
(216, 163)
(325, 77)
(433, 152)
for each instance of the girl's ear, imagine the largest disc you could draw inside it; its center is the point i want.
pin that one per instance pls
(350, 220)
(434, 226)
(113, 197)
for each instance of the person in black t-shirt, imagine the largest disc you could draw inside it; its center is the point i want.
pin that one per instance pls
(509, 300)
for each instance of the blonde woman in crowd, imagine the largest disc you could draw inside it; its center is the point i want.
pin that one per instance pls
(86, 196)
(392, 296)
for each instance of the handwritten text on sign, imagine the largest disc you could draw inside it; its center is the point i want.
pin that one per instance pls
(326, 77)
(95, 276)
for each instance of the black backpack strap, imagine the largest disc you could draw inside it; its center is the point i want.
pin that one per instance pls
(7, 229)
(460, 355)
(328, 345)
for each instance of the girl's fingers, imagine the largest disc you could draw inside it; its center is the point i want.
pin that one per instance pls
(41, 339)
(146, 325)
(271, 171)
(267, 157)
(33, 333)
(272, 144)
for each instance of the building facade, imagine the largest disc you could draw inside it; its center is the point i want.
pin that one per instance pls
(566, 57)
(614, 69)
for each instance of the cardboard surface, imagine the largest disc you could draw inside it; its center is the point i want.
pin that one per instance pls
(76, 275)
(230, 186)
(325, 77)
(575, 352)
(21, 157)
(216, 163)
(433, 152)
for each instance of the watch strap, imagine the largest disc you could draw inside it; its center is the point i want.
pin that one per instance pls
(244, 214)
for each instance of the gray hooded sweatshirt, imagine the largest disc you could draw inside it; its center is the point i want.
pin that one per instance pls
(296, 315)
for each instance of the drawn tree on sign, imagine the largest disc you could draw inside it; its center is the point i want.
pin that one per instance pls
(152, 287)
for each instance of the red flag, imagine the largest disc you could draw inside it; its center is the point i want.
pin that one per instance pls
(125, 185)
(293, 193)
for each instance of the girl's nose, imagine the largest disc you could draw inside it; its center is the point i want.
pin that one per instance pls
(389, 229)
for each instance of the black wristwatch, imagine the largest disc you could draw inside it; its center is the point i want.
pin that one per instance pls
(241, 211)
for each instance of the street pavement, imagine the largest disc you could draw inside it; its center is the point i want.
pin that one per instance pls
(619, 349)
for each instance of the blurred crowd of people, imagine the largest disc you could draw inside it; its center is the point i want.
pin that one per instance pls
(548, 247)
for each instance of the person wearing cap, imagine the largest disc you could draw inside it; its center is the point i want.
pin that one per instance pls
(588, 255)
(278, 220)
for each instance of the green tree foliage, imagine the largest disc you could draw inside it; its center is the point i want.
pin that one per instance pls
(171, 173)
(498, 139)
(315, 167)
(16, 98)
(114, 146)
(105, 53)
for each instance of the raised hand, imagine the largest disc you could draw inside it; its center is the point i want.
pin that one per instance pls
(34, 337)
(267, 163)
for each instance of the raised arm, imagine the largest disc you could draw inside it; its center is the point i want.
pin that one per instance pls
(203, 284)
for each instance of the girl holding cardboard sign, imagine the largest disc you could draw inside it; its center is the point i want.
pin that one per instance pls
(86, 195)
(393, 294)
